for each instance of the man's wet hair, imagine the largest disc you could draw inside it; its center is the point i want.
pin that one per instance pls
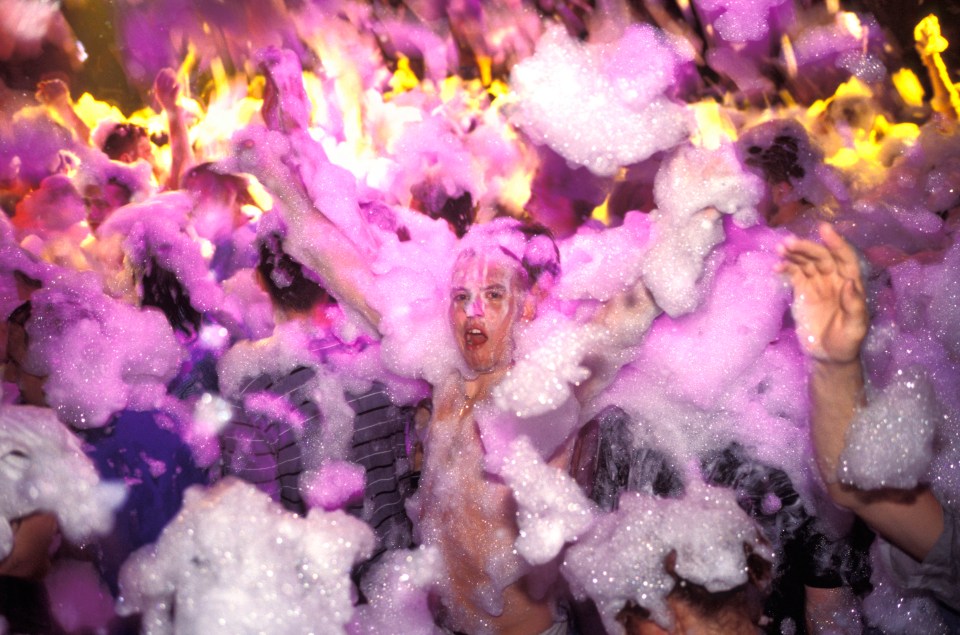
(123, 138)
(285, 279)
(161, 288)
(540, 254)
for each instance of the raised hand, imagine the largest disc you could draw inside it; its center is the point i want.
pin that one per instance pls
(829, 305)
(166, 88)
(53, 92)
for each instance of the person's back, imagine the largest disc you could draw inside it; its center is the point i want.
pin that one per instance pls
(264, 450)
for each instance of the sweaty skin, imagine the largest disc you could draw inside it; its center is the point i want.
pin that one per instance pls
(485, 300)
(466, 512)
(468, 515)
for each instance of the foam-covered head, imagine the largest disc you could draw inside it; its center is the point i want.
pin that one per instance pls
(487, 296)
(496, 269)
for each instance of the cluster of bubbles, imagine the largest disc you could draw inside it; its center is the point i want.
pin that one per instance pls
(690, 193)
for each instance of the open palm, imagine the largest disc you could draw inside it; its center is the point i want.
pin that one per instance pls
(828, 298)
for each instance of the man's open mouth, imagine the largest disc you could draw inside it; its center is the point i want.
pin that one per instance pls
(474, 338)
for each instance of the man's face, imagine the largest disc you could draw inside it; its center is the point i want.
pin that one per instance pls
(485, 301)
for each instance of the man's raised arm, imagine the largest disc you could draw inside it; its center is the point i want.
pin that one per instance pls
(830, 310)
(271, 157)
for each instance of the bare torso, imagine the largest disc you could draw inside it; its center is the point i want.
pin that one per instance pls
(470, 516)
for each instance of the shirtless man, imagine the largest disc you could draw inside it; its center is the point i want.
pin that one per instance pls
(468, 513)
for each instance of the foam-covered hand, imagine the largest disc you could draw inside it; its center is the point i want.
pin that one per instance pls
(166, 88)
(829, 305)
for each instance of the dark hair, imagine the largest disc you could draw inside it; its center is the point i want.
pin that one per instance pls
(540, 252)
(123, 138)
(537, 266)
(805, 555)
(21, 314)
(778, 150)
(724, 611)
(431, 199)
(284, 278)
(162, 289)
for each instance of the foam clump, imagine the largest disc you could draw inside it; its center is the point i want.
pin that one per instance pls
(233, 561)
(44, 469)
(598, 264)
(725, 337)
(602, 117)
(397, 589)
(99, 355)
(552, 510)
(411, 295)
(248, 305)
(739, 21)
(155, 234)
(542, 378)
(333, 485)
(693, 189)
(890, 441)
(622, 558)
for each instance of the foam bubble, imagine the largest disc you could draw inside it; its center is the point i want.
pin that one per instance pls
(601, 117)
(890, 441)
(44, 469)
(233, 561)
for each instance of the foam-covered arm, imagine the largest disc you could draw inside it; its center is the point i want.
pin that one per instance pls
(621, 322)
(830, 310)
(167, 90)
(271, 157)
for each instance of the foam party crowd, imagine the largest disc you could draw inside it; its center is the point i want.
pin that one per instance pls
(520, 316)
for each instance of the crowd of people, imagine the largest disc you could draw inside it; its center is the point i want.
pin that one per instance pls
(376, 339)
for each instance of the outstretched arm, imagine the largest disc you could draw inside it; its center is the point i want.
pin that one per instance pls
(830, 310)
(167, 90)
(623, 321)
(272, 158)
(55, 94)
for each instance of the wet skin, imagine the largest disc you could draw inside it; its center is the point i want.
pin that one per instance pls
(485, 301)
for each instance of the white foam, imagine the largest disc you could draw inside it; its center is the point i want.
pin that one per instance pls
(233, 561)
(621, 559)
(602, 116)
(551, 508)
(397, 589)
(692, 189)
(44, 469)
(890, 441)
(99, 355)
